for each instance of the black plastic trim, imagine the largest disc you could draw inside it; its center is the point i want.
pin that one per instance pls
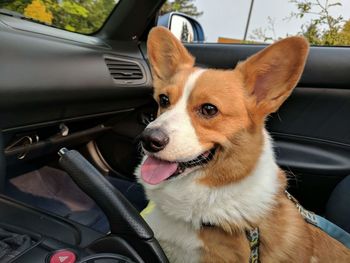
(326, 67)
(312, 157)
(47, 225)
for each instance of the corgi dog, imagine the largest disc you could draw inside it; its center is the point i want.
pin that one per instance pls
(209, 165)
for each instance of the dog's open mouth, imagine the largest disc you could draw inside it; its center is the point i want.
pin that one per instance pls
(155, 171)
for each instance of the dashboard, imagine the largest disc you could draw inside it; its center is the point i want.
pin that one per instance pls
(49, 74)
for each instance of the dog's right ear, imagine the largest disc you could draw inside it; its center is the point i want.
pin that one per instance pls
(166, 54)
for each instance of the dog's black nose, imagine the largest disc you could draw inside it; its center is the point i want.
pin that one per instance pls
(154, 140)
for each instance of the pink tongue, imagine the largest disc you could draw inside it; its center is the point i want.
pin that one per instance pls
(155, 171)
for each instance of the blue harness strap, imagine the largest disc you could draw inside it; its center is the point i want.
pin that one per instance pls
(327, 226)
(333, 230)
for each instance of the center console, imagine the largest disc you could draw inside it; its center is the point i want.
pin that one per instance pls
(51, 239)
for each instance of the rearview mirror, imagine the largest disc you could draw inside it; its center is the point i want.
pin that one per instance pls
(184, 27)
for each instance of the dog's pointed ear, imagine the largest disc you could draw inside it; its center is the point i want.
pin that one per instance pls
(270, 75)
(166, 54)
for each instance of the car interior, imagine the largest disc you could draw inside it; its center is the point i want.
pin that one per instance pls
(72, 107)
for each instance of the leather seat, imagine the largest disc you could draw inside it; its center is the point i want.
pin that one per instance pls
(338, 205)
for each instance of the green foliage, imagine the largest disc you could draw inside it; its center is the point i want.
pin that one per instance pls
(74, 9)
(17, 5)
(323, 28)
(183, 6)
(83, 16)
(345, 34)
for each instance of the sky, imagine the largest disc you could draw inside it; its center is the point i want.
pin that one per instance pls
(228, 18)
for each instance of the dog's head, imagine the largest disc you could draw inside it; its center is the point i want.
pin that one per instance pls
(213, 119)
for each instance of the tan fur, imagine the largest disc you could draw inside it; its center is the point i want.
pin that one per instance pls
(270, 75)
(236, 160)
(244, 97)
(167, 56)
(173, 87)
(220, 246)
(284, 237)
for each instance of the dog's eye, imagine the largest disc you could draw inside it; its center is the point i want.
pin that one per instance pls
(208, 110)
(164, 101)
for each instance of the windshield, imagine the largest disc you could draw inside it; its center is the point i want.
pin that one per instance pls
(81, 16)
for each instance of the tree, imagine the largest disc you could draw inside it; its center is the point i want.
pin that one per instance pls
(345, 33)
(184, 33)
(84, 16)
(312, 35)
(321, 29)
(17, 5)
(183, 6)
(261, 34)
(37, 10)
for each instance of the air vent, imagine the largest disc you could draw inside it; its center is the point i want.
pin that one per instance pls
(125, 71)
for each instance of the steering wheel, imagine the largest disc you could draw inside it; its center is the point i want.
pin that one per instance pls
(124, 220)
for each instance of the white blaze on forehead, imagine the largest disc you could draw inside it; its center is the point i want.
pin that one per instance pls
(189, 85)
(176, 123)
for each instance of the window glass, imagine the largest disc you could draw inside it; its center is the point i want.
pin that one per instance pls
(322, 22)
(81, 16)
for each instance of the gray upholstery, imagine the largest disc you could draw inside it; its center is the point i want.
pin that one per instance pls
(338, 206)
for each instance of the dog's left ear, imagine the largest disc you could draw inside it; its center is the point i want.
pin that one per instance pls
(270, 75)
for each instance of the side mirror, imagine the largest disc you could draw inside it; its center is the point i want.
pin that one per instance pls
(184, 27)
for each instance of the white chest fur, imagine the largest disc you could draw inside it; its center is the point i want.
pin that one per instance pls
(178, 239)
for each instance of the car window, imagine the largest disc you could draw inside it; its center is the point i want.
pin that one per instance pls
(322, 22)
(84, 17)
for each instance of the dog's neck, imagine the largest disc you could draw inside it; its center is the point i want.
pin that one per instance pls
(237, 205)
